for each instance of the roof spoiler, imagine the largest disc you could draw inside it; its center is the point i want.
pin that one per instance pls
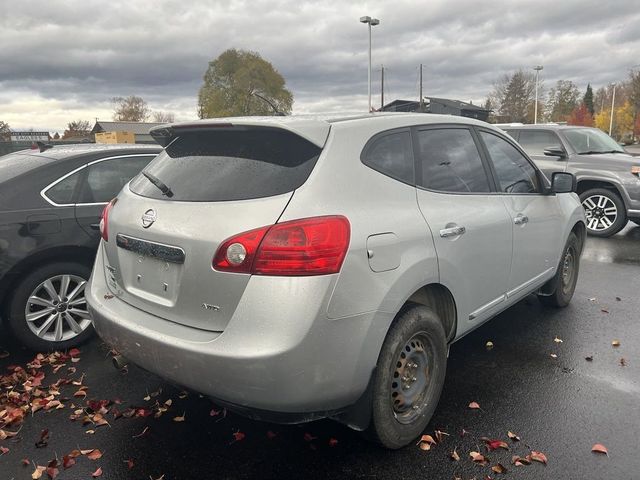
(165, 134)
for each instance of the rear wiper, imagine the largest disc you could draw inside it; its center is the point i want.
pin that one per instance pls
(592, 152)
(158, 183)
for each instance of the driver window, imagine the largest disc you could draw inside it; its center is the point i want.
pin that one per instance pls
(515, 174)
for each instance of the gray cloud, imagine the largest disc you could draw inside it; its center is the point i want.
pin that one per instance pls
(80, 54)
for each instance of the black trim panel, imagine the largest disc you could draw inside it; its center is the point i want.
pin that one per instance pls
(151, 249)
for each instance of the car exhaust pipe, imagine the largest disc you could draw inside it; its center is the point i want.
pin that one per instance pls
(119, 362)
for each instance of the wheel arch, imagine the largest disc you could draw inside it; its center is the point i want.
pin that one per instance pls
(585, 184)
(9, 282)
(440, 298)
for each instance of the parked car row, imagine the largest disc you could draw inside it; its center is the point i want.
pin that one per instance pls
(300, 268)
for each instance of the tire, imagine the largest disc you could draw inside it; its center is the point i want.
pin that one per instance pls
(416, 339)
(566, 277)
(51, 308)
(597, 202)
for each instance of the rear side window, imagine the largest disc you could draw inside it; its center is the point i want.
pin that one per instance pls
(62, 192)
(515, 173)
(391, 154)
(535, 141)
(450, 161)
(105, 179)
(230, 164)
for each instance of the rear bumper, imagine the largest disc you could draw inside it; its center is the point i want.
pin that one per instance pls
(278, 354)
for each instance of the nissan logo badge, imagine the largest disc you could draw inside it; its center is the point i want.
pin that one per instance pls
(148, 218)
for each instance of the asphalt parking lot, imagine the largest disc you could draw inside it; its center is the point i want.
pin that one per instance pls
(559, 406)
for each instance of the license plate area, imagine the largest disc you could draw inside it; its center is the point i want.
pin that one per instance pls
(150, 270)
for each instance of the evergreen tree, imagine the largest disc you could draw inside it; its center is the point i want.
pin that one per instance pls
(588, 100)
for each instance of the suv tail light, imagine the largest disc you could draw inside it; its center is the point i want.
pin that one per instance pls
(309, 246)
(104, 220)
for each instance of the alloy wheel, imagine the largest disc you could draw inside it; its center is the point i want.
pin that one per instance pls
(411, 378)
(600, 211)
(56, 310)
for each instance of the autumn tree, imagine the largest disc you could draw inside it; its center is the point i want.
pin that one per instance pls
(562, 100)
(513, 97)
(234, 83)
(130, 109)
(581, 116)
(77, 128)
(5, 131)
(56, 136)
(163, 117)
(587, 100)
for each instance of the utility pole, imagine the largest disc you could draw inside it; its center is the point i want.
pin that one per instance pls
(613, 101)
(372, 22)
(421, 104)
(382, 89)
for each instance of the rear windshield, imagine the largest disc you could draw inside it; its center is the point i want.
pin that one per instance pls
(230, 164)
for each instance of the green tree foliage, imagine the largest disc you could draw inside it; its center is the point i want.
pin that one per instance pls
(563, 99)
(130, 109)
(5, 131)
(513, 97)
(77, 128)
(588, 100)
(233, 82)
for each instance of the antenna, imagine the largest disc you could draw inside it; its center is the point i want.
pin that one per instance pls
(275, 109)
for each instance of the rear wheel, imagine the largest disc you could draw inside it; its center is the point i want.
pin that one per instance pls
(48, 309)
(566, 277)
(605, 212)
(409, 377)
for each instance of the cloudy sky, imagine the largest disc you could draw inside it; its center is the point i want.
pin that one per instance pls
(64, 60)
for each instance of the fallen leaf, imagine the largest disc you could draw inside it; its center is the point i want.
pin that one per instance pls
(478, 458)
(129, 463)
(97, 473)
(168, 403)
(52, 469)
(599, 448)
(74, 352)
(618, 299)
(333, 442)
(68, 461)
(495, 444)
(519, 461)
(95, 454)
(589, 358)
(489, 345)
(90, 432)
(424, 446)
(309, 438)
(179, 418)
(440, 435)
(428, 439)
(147, 398)
(474, 406)
(623, 362)
(553, 355)
(499, 468)
(238, 436)
(182, 395)
(271, 435)
(25, 462)
(44, 439)
(513, 436)
(3, 450)
(604, 310)
(615, 343)
(454, 456)
(463, 432)
(37, 473)
(557, 340)
(538, 457)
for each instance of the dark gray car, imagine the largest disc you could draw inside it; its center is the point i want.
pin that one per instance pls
(608, 178)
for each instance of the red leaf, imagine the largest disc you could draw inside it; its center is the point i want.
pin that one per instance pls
(129, 464)
(97, 473)
(94, 454)
(333, 442)
(74, 352)
(474, 406)
(68, 461)
(3, 450)
(599, 448)
(271, 435)
(238, 436)
(495, 444)
(25, 462)
(52, 469)
(538, 457)
(309, 438)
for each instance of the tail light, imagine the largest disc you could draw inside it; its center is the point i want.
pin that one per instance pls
(104, 220)
(309, 246)
(635, 169)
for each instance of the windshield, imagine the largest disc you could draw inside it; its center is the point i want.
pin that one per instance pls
(591, 140)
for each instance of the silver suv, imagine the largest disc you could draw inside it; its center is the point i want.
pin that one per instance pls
(608, 178)
(300, 268)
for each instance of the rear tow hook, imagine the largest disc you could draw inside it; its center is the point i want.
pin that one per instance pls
(119, 362)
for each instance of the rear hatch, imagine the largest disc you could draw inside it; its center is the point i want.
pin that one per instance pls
(212, 182)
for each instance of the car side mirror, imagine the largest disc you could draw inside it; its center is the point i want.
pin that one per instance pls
(563, 182)
(555, 151)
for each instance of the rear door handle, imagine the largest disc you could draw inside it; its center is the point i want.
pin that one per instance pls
(452, 232)
(521, 219)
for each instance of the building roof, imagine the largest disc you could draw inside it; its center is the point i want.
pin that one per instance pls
(137, 128)
(457, 104)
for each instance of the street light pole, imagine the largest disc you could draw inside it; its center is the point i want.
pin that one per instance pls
(372, 22)
(613, 101)
(537, 68)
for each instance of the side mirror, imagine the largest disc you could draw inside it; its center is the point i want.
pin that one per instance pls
(563, 182)
(622, 144)
(555, 151)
